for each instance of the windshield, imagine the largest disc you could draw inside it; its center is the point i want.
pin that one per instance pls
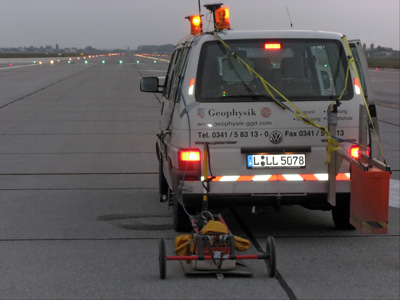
(299, 69)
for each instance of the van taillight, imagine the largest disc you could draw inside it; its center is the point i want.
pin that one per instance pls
(355, 151)
(189, 159)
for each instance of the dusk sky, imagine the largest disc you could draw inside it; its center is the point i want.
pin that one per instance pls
(110, 24)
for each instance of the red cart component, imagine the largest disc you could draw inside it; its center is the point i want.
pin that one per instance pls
(369, 206)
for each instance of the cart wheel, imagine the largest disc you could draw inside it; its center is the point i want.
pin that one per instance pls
(162, 259)
(271, 260)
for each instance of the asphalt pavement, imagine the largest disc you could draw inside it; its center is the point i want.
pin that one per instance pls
(79, 210)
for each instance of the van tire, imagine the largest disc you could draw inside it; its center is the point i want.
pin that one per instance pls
(341, 212)
(181, 219)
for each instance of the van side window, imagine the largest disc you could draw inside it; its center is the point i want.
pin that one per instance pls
(359, 68)
(170, 74)
(177, 74)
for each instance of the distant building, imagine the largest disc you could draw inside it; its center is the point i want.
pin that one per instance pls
(381, 52)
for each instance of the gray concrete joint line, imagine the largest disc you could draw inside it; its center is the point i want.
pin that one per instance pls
(42, 89)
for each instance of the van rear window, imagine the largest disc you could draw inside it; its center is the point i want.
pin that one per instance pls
(302, 70)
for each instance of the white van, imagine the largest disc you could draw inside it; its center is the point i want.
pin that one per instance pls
(257, 151)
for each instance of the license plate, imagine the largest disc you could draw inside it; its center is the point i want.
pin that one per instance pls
(276, 161)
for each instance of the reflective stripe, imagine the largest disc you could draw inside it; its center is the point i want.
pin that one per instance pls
(343, 176)
(322, 177)
(245, 178)
(309, 177)
(281, 177)
(261, 177)
(229, 178)
(293, 177)
(275, 178)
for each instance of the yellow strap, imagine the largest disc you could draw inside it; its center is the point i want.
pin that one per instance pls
(205, 164)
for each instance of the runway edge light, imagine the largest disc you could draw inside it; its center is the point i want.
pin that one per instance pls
(196, 24)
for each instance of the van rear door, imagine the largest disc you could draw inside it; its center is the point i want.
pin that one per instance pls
(362, 69)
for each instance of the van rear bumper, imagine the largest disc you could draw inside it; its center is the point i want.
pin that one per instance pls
(312, 195)
(315, 201)
(261, 188)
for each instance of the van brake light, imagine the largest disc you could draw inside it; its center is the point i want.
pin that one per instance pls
(273, 46)
(355, 151)
(191, 155)
(189, 159)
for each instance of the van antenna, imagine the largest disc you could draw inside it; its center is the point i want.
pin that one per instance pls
(290, 20)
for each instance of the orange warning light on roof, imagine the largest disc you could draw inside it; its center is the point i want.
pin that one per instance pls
(272, 46)
(222, 20)
(196, 20)
(196, 24)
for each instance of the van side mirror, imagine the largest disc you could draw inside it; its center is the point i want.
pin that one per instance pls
(150, 85)
(325, 79)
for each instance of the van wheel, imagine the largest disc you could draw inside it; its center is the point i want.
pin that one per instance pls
(341, 212)
(181, 219)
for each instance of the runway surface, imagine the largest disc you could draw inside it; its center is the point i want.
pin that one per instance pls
(79, 210)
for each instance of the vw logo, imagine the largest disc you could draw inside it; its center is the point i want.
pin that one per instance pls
(276, 137)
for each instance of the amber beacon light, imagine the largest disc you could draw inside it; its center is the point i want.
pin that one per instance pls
(222, 20)
(220, 14)
(196, 24)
